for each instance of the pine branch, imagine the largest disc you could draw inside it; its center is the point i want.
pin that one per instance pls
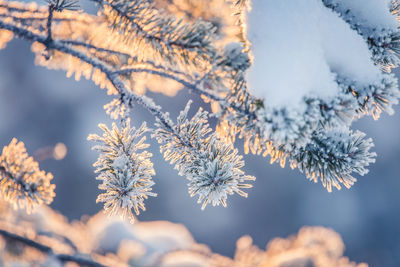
(111, 75)
(126, 96)
(127, 56)
(49, 37)
(241, 110)
(318, 156)
(164, 74)
(279, 133)
(49, 251)
(124, 169)
(333, 155)
(172, 39)
(212, 165)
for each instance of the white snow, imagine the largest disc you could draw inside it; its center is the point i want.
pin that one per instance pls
(298, 47)
(346, 52)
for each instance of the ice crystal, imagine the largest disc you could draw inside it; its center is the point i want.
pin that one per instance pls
(125, 172)
(21, 181)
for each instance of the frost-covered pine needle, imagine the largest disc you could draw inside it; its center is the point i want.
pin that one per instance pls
(212, 166)
(216, 173)
(126, 172)
(334, 155)
(21, 181)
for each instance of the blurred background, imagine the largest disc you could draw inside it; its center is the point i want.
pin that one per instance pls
(43, 108)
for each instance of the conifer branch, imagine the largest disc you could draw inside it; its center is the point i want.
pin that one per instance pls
(111, 75)
(254, 118)
(281, 133)
(174, 40)
(49, 251)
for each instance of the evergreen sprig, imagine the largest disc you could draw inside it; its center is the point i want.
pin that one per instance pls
(125, 172)
(332, 155)
(22, 183)
(212, 166)
(170, 39)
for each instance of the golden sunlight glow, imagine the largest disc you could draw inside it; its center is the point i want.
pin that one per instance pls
(5, 37)
(60, 151)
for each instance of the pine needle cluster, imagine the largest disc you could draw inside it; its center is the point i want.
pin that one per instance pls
(124, 169)
(21, 181)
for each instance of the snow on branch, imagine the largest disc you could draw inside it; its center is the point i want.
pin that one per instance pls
(375, 23)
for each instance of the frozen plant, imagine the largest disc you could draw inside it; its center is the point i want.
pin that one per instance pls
(212, 166)
(288, 77)
(125, 170)
(21, 181)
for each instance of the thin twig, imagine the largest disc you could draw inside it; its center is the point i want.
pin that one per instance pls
(134, 58)
(188, 85)
(49, 38)
(112, 75)
(147, 35)
(144, 101)
(65, 239)
(48, 250)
